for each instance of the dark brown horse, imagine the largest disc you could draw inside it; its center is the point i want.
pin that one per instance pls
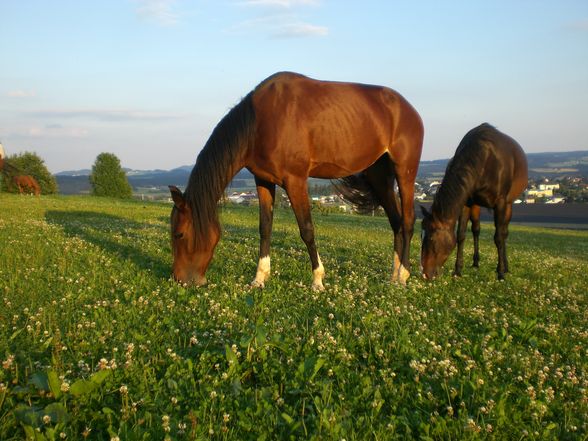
(26, 184)
(489, 169)
(288, 128)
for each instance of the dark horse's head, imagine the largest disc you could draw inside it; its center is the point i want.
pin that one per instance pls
(438, 240)
(192, 251)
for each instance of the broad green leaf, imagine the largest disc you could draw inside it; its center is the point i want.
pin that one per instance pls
(57, 412)
(287, 418)
(40, 381)
(54, 383)
(100, 376)
(82, 387)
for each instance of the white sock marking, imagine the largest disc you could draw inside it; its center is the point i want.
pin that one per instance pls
(263, 272)
(317, 276)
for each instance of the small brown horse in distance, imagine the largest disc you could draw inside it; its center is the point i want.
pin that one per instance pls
(288, 128)
(26, 184)
(489, 169)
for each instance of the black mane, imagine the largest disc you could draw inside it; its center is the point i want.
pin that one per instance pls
(462, 171)
(218, 162)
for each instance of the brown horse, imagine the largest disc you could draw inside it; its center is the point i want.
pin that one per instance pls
(489, 169)
(26, 184)
(288, 128)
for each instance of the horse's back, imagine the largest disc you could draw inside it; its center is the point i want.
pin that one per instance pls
(505, 160)
(330, 129)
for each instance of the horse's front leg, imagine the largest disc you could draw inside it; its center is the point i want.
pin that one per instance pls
(462, 225)
(502, 215)
(298, 194)
(266, 192)
(475, 218)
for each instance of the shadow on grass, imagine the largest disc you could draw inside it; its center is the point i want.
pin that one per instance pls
(102, 230)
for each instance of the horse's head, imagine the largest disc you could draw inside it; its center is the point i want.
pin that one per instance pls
(438, 240)
(192, 251)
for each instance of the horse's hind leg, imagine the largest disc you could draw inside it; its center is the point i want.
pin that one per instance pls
(266, 192)
(475, 218)
(462, 226)
(381, 177)
(298, 194)
(405, 176)
(502, 215)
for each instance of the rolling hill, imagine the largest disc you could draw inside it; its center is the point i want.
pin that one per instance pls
(550, 165)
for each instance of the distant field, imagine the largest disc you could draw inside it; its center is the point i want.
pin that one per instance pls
(564, 215)
(97, 343)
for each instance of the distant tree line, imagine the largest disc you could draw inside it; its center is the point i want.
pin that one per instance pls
(107, 177)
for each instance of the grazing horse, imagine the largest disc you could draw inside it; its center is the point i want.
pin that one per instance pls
(489, 169)
(288, 128)
(26, 184)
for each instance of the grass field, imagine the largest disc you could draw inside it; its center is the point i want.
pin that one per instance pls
(97, 343)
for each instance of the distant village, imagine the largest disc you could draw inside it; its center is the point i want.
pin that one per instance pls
(539, 191)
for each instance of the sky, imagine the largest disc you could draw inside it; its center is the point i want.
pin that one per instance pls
(148, 80)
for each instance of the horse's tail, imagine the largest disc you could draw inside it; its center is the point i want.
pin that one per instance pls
(357, 190)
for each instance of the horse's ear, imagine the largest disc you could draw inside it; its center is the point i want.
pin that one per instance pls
(177, 197)
(425, 211)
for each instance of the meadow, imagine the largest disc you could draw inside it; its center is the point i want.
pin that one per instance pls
(96, 342)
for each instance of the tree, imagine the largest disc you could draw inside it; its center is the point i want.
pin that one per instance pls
(29, 163)
(108, 178)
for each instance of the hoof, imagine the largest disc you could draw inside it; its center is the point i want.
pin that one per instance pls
(318, 287)
(403, 275)
(257, 284)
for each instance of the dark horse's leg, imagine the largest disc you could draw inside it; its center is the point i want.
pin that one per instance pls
(502, 215)
(381, 177)
(462, 226)
(475, 218)
(266, 192)
(298, 193)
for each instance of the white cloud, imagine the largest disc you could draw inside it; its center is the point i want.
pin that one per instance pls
(55, 131)
(103, 115)
(289, 24)
(280, 3)
(21, 93)
(579, 25)
(157, 11)
(297, 30)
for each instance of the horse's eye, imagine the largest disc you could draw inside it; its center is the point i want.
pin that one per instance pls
(178, 235)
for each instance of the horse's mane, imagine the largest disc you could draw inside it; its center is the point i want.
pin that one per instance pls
(461, 172)
(218, 162)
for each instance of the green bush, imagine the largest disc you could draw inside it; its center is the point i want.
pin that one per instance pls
(28, 163)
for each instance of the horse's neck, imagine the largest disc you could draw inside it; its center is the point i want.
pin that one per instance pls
(451, 198)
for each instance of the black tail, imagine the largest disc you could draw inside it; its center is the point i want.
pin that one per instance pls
(357, 190)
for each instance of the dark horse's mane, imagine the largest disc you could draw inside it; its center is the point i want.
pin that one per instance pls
(217, 162)
(462, 172)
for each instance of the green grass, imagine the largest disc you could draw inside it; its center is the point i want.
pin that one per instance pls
(96, 342)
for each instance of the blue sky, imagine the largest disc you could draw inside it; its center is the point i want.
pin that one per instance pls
(148, 79)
